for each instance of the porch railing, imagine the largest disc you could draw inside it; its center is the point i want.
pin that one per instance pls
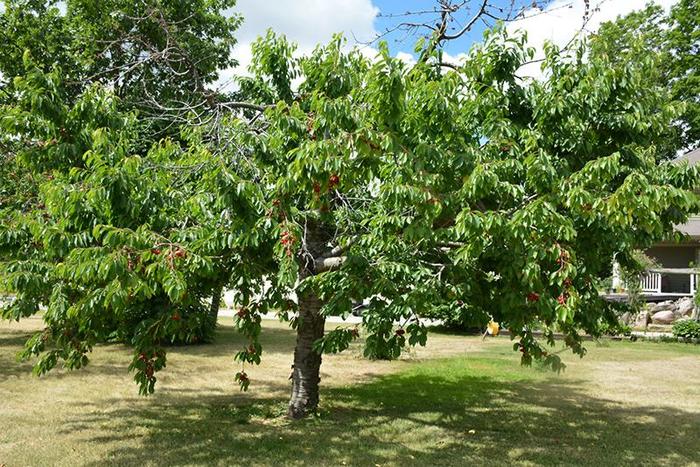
(651, 281)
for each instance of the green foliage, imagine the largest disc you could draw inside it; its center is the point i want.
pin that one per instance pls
(616, 328)
(635, 263)
(672, 42)
(98, 212)
(687, 329)
(459, 316)
(467, 194)
(149, 52)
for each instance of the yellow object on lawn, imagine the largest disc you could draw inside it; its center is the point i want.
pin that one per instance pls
(493, 328)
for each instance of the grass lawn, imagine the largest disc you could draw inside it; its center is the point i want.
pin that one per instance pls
(459, 401)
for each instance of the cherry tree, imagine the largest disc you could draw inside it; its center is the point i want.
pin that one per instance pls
(462, 190)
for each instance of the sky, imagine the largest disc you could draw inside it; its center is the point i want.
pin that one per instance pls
(310, 22)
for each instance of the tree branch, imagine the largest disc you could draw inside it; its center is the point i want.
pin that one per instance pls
(328, 264)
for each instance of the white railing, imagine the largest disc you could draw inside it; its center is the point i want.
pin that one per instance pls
(693, 283)
(650, 281)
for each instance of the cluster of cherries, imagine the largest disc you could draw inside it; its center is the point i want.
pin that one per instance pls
(287, 240)
(242, 379)
(149, 365)
(333, 181)
(564, 296)
(173, 254)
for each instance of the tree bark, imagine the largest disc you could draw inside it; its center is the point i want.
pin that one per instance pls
(215, 305)
(307, 362)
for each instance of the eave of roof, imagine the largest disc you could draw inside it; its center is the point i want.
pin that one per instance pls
(692, 157)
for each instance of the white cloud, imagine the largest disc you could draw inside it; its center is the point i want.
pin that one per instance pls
(306, 22)
(407, 58)
(563, 19)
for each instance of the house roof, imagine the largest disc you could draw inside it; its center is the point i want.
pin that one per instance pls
(691, 228)
(693, 157)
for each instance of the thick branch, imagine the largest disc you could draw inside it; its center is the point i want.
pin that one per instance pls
(468, 26)
(328, 264)
(244, 105)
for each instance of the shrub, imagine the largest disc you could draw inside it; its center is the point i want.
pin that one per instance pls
(686, 329)
(459, 317)
(615, 329)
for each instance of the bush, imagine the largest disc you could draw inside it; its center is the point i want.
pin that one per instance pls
(686, 329)
(615, 329)
(459, 317)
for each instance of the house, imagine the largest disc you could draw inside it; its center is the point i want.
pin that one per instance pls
(676, 276)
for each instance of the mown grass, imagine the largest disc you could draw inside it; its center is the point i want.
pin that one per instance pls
(460, 401)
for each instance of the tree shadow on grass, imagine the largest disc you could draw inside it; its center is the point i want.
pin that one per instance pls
(406, 419)
(228, 341)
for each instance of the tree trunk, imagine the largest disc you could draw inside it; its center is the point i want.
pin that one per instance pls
(215, 305)
(307, 362)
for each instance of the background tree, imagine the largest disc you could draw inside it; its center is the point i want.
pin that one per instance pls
(157, 58)
(460, 189)
(674, 40)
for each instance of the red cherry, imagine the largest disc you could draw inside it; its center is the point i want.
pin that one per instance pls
(176, 317)
(242, 312)
(334, 180)
(317, 188)
(562, 299)
(155, 251)
(533, 297)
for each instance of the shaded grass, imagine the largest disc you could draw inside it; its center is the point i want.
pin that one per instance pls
(460, 401)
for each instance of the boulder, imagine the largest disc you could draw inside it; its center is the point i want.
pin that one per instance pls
(626, 318)
(663, 317)
(642, 319)
(685, 306)
(663, 306)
